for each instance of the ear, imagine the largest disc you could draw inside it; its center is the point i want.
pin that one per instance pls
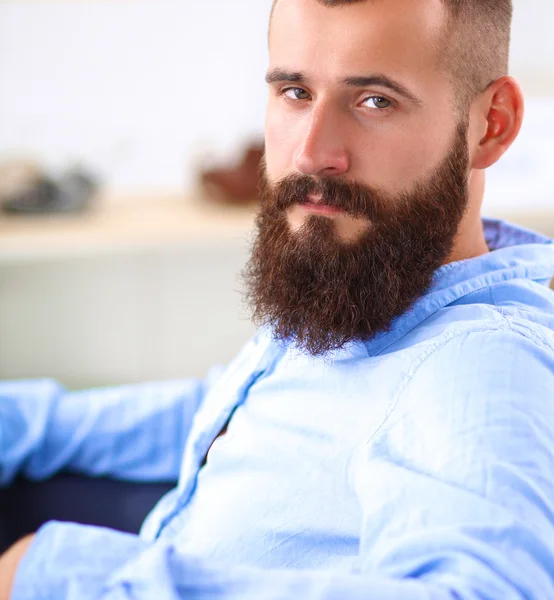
(499, 114)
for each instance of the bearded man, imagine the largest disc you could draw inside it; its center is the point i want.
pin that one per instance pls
(389, 433)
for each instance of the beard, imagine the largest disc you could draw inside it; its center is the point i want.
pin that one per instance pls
(321, 292)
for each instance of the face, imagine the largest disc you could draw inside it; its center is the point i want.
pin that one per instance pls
(355, 92)
(366, 170)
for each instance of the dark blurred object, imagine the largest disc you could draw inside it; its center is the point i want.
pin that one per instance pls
(120, 505)
(26, 189)
(237, 185)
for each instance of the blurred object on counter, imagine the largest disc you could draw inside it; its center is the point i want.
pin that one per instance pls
(236, 185)
(26, 189)
(18, 177)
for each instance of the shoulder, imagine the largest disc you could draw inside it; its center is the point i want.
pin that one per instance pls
(459, 328)
(480, 399)
(479, 387)
(495, 358)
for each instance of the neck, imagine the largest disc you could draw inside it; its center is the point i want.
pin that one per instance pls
(470, 239)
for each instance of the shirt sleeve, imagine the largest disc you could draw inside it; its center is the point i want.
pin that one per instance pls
(77, 562)
(134, 432)
(457, 491)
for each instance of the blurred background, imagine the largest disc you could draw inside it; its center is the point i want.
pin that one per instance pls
(119, 262)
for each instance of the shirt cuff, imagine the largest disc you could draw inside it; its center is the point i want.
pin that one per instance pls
(67, 560)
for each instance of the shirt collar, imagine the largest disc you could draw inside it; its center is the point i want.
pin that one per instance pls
(516, 253)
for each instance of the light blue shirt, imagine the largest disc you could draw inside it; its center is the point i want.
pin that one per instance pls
(419, 465)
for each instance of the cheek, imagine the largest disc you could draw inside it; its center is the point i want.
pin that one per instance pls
(279, 142)
(395, 157)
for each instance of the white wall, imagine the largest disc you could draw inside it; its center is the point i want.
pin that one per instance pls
(141, 90)
(532, 59)
(138, 89)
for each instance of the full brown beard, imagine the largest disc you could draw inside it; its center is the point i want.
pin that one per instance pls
(321, 292)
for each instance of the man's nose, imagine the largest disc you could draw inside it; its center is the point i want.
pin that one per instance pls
(322, 151)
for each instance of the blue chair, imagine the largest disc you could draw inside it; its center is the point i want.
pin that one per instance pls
(120, 505)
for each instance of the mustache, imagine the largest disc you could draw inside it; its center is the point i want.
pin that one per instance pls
(356, 199)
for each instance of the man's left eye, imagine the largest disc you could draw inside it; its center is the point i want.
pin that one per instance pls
(378, 102)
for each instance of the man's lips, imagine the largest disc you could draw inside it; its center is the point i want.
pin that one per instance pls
(314, 203)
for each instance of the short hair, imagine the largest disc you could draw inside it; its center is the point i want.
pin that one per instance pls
(475, 47)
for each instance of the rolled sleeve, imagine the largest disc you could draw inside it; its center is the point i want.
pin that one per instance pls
(70, 561)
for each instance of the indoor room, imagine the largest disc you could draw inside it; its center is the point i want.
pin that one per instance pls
(276, 306)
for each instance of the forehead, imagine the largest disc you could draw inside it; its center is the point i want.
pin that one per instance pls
(396, 37)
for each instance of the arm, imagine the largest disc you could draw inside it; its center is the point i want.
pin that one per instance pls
(457, 491)
(160, 571)
(134, 432)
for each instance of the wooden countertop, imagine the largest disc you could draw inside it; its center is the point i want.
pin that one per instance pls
(124, 222)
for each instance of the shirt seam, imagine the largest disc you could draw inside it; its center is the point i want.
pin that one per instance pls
(527, 334)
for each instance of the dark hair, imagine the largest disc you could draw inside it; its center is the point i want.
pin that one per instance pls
(476, 43)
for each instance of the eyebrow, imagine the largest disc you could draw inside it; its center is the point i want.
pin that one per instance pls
(279, 75)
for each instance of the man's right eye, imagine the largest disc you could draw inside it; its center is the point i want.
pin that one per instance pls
(294, 93)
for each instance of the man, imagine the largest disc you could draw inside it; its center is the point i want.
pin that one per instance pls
(389, 433)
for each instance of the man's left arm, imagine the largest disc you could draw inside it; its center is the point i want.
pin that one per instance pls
(457, 491)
